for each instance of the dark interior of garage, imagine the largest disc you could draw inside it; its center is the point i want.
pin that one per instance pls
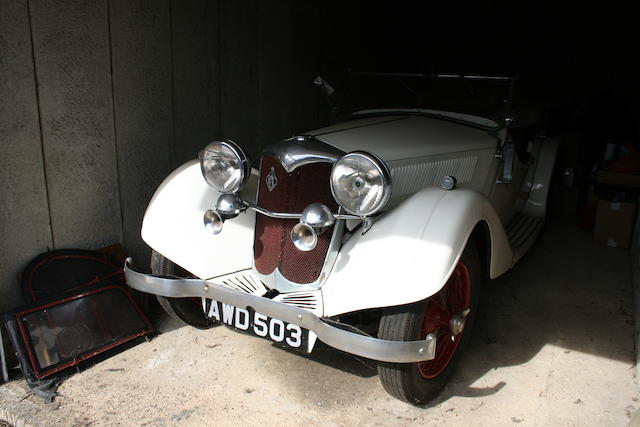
(101, 100)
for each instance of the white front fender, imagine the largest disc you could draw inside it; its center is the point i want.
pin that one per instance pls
(405, 257)
(173, 225)
(410, 251)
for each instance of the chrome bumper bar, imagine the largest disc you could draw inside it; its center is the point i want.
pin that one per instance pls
(350, 342)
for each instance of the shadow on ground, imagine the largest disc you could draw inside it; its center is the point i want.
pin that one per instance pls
(566, 292)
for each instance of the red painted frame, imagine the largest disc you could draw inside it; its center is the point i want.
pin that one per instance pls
(91, 282)
(42, 373)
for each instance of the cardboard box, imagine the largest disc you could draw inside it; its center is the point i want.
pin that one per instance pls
(614, 223)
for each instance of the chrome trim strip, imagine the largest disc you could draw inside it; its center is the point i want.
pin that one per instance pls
(350, 342)
(288, 215)
(332, 253)
(302, 150)
(439, 75)
(275, 280)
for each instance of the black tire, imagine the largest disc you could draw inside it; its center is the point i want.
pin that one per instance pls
(404, 381)
(186, 311)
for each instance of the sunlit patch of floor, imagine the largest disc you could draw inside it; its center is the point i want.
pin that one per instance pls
(552, 345)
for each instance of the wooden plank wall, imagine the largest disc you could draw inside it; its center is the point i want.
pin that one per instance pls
(25, 228)
(72, 66)
(101, 99)
(141, 63)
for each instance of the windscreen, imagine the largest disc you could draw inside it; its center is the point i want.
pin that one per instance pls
(483, 96)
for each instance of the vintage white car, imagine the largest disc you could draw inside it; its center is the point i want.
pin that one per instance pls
(372, 235)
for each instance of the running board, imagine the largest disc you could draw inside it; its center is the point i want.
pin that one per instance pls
(522, 231)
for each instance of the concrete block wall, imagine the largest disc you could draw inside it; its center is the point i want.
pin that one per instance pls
(101, 99)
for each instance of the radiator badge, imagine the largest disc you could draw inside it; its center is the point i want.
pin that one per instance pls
(272, 179)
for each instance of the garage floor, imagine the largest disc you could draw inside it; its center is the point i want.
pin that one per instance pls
(552, 346)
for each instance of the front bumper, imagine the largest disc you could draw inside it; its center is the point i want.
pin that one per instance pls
(350, 342)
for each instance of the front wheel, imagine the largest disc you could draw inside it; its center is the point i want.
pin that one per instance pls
(449, 315)
(185, 310)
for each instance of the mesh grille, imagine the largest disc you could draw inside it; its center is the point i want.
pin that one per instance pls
(272, 246)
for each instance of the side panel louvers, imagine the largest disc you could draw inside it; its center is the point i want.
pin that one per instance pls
(410, 178)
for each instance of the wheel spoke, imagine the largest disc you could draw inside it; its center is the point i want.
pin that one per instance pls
(452, 299)
(442, 306)
(435, 318)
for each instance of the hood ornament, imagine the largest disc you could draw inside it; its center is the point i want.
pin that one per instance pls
(272, 179)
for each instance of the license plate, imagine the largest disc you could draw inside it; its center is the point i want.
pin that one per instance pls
(258, 324)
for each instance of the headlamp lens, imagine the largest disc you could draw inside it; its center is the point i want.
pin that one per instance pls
(224, 166)
(361, 184)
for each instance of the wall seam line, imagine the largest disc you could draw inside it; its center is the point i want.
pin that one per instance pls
(260, 119)
(221, 130)
(115, 132)
(42, 150)
(172, 146)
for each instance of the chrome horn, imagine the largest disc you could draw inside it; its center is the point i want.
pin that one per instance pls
(228, 206)
(304, 237)
(213, 221)
(315, 219)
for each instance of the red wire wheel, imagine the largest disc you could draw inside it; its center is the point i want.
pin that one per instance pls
(452, 300)
(448, 313)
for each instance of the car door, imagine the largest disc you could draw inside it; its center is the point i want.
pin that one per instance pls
(507, 195)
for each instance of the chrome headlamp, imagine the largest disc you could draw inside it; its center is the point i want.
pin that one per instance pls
(224, 166)
(360, 183)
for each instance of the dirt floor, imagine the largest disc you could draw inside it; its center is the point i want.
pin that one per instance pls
(553, 345)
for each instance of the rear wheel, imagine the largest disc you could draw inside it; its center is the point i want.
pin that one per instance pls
(449, 315)
(185, 310)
